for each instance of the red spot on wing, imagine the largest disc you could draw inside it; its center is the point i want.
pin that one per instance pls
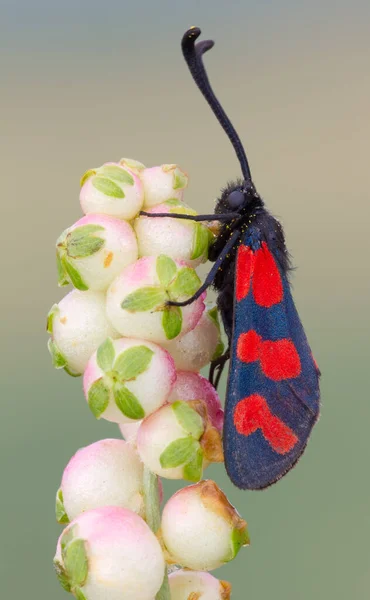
(267, 284)
(253, 413)
(279, 359)
(244, 270)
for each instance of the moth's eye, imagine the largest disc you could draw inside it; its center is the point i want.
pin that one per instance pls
(235, 199)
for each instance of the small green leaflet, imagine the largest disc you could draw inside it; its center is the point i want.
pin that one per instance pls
(186, 283)
(239, 538)
(180, 180)
(194, 469)
(213, 315)
(57, 357)
(127, 402)
(98, 398)
(72, 373)
(105, 355)
(107, 187)
(50, 318)
(200, 241)
(75, 562)
(67, 536)
(144, 299)
(173, 202)
(62, 276)
(219, 350)
(132, 362)
(62, 576)
(188, 418)
(166, 269)
(60, 512)
(179, 452)
(117, 173)
(82, 243)
(74, 275)
(172, 321)
(87, 176)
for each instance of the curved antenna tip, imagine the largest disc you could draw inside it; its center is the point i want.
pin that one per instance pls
(191, 35)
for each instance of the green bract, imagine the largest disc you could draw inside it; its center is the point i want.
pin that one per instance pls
(144, 299)
(194, 468)
(105, 355)
(214, 316)
(166, 269)
(117, 174)
(127, 402)
(179, 452)
(132, 362)
(186, 283)
(59, 361)
(60, 512)
(172, 322)
(239, 538)
(80, 242)
(188, 418)
(98, 397)
(107, 187)
(50, 318)
(72, 573)
(200, 241)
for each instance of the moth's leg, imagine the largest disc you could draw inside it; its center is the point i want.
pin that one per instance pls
(213, 272)
(217, 367)
(223, 218)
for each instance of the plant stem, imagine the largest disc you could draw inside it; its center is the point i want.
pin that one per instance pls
(153, 518)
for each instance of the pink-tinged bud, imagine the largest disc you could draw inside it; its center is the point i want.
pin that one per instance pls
(177, 238)
(109, 554)
(129, 431)
(197, 585)
(178, 441)
(92, 252)
(163, 183)
(136, 299)
(201, 530)
(106, 473)
(192, 386)
(128, 379)
(112, 190)
(78, 325)
(132, 164)
(193, 351)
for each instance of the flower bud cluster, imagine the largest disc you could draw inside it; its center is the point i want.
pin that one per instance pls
(140, 359)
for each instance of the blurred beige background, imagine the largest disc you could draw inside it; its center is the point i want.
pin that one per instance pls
(83, 83)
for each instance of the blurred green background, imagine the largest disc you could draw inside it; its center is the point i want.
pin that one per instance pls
(85, 82)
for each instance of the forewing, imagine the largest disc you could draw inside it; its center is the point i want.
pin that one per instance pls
(272, 399)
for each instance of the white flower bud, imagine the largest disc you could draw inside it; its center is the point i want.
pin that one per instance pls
(163, 183)
(177, 441)
(92, 252)
(136, 299)
(128, 379)
(178, 238)
(109, 553)
(197, 585)
(192, 386)
(193, 351)
(112, 190)
(130, 430)
(106, 473)
(78, 325)
(201, 529)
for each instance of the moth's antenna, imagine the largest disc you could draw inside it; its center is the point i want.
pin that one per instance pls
(193, 55)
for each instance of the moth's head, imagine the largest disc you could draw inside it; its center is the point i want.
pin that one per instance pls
(239, 196)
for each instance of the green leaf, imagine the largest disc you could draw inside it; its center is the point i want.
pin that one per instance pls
(62, 275)
(133, 361)
(239, 538)
(62, 576)
(219, 350)
(87, 176)
(67, 536)
(81, 242)
(74, 275)
(117, 173)
(180, 179)
(75, 562)
(79, 594)
(144, 299)
(193, 471)
(214, 316)
(72, 373)
(179, 452)
(173, 202)
(98, 397)
(132, 164)
(186, 283)
(200, 241)
(60, 512)
(172, 322)
(166, 269)
(50, 318)
(188, 418)
(105, 355)
(107, 187)
(128, 404)
(57, 357)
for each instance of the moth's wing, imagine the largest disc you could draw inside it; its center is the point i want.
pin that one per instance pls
(272, 399)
